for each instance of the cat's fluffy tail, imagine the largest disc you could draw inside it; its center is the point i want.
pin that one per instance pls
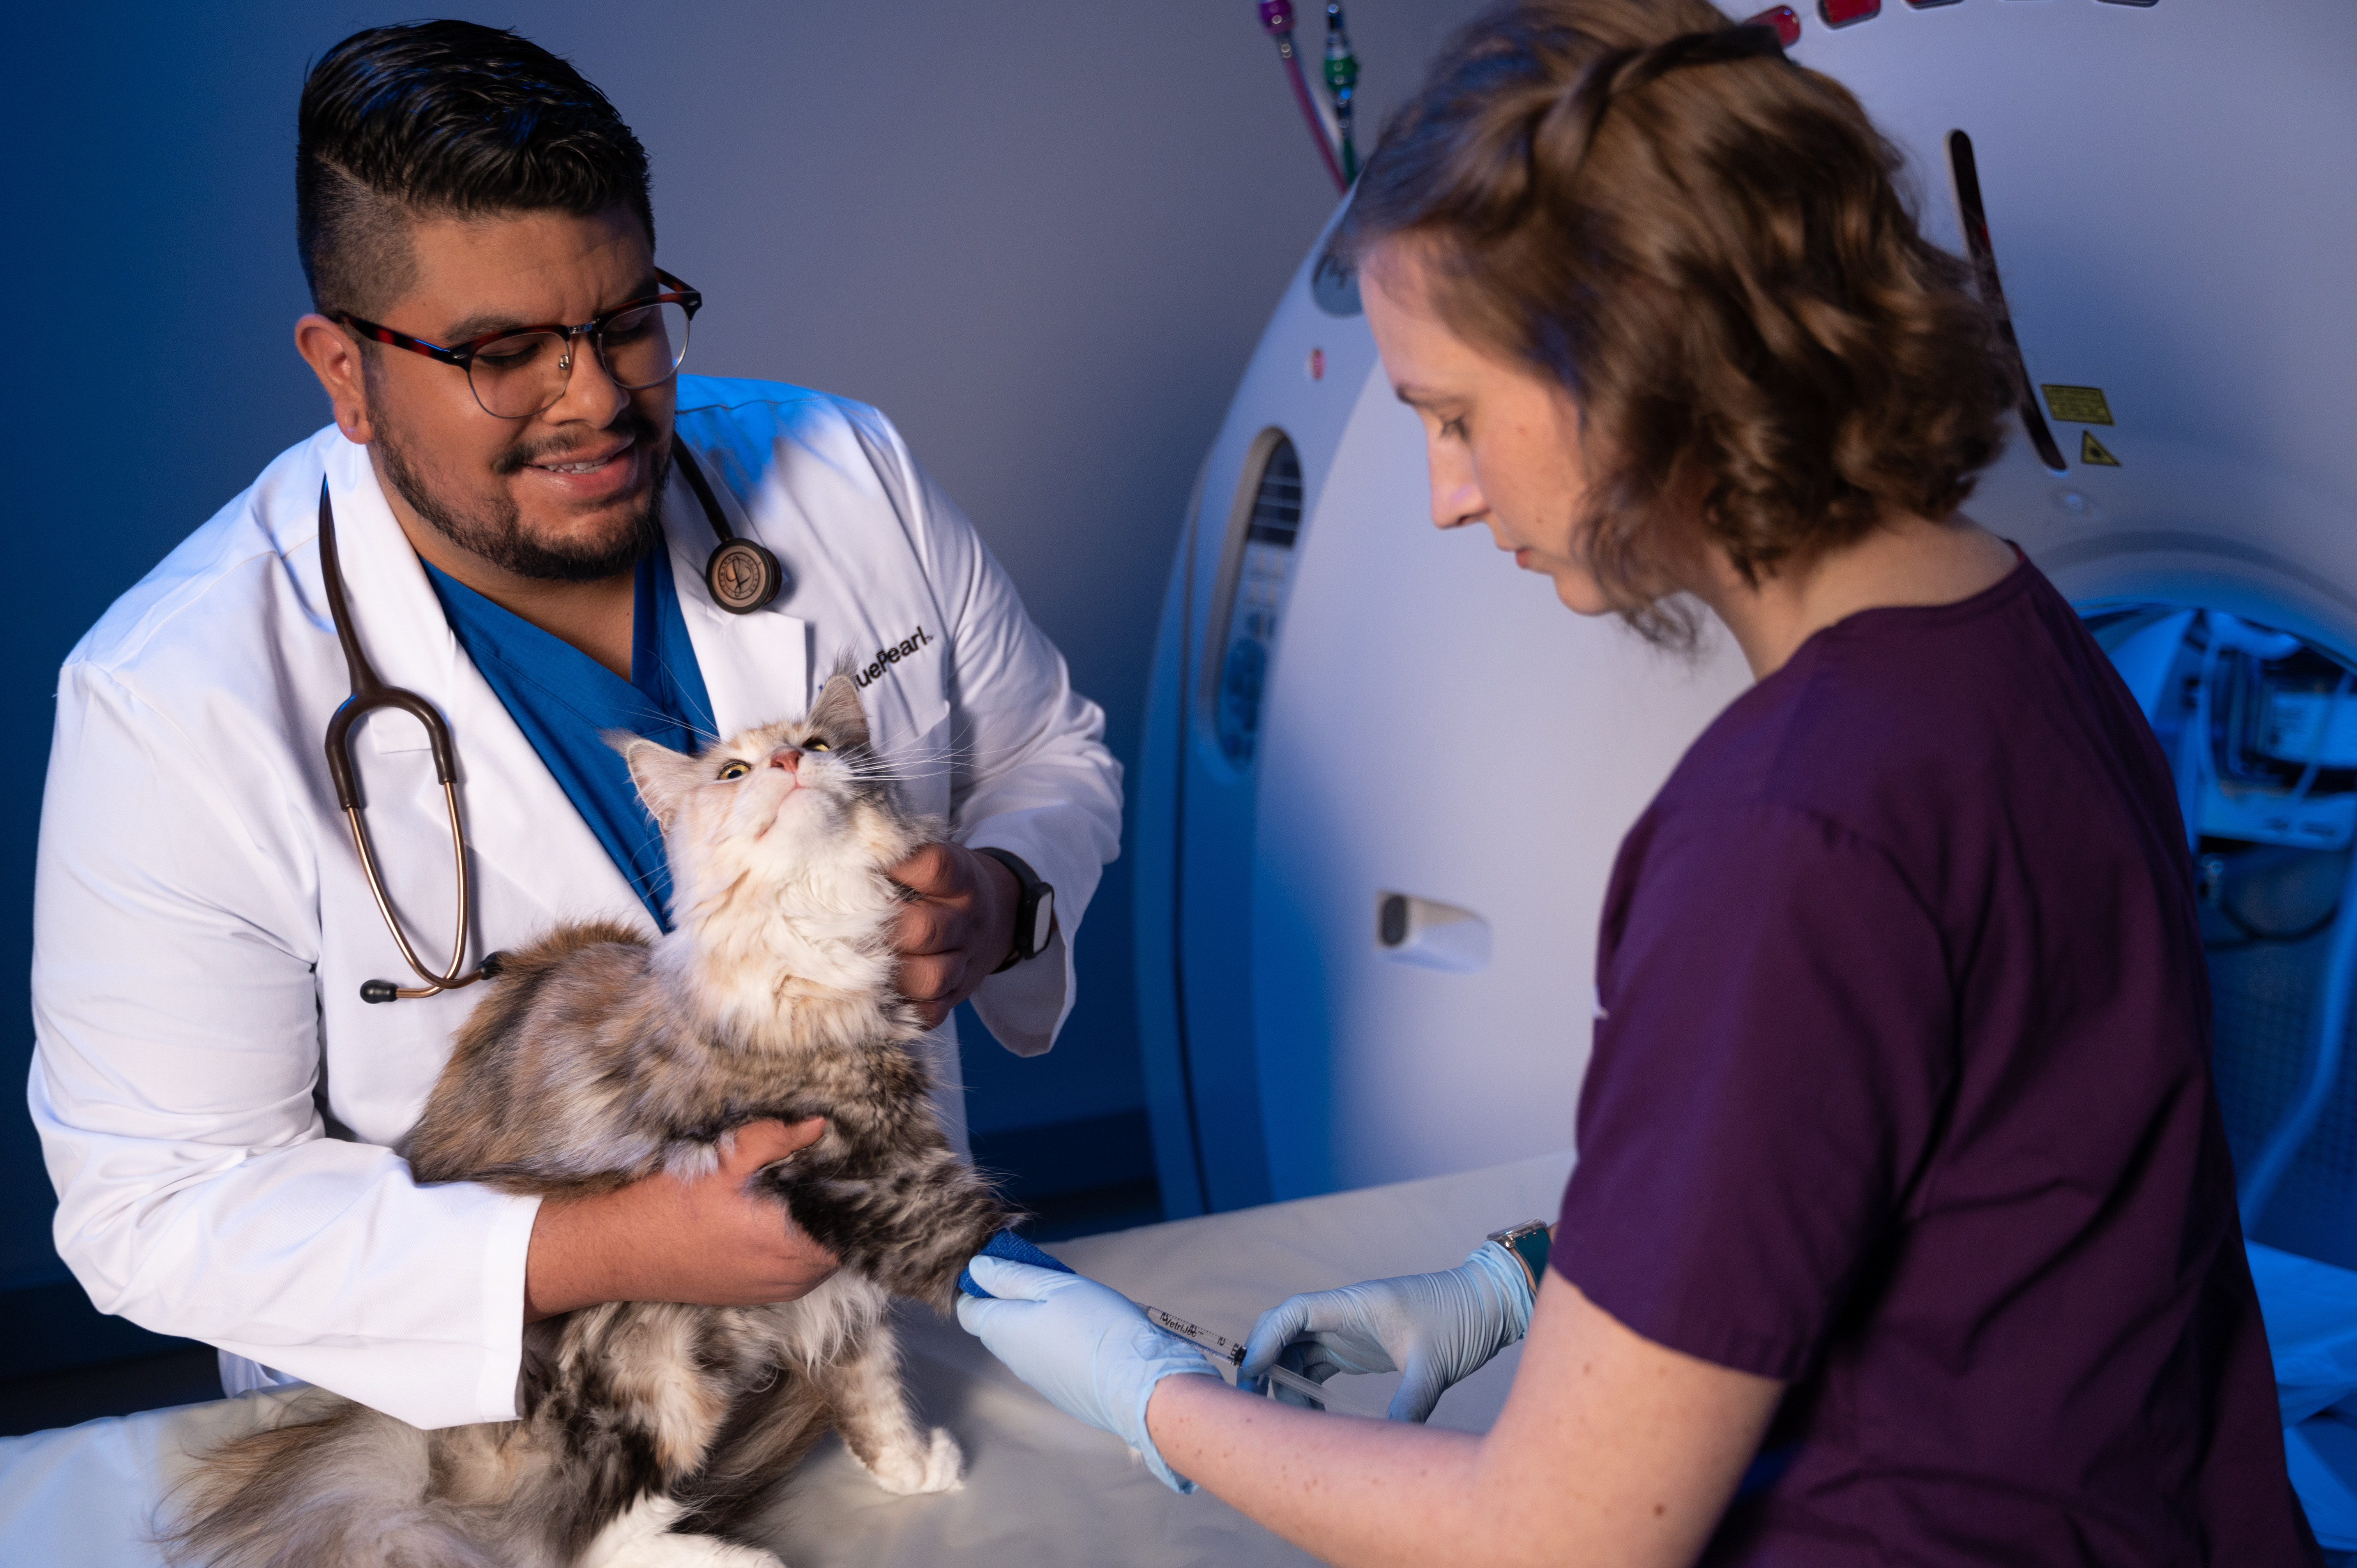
(339, 1486)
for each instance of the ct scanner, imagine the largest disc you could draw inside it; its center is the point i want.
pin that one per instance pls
(1385, 774)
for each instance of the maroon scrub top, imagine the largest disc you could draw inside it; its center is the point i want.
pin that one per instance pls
(1900, 1094)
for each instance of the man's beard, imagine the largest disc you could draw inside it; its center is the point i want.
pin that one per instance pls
(495, 533)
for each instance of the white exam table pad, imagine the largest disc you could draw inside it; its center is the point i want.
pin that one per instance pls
(1041, 1489)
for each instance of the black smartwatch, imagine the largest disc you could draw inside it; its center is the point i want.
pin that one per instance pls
(1035, 913)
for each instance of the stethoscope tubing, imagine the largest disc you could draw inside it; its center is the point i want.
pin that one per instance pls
(368, 692)
(742, 575)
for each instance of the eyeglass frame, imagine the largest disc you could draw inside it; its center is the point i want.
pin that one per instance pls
(463, 355)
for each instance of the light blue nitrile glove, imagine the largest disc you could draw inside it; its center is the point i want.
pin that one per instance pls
(1085, 1347)
(1437, 1328)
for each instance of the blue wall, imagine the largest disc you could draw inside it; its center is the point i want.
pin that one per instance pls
(1043, 236)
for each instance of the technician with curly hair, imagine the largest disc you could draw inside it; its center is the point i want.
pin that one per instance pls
(1903, 1225)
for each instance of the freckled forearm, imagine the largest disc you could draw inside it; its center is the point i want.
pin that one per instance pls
(1357, 1492)
(1612, 1451)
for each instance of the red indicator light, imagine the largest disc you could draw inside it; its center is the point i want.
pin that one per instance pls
(1842, 13)
(1784, 19)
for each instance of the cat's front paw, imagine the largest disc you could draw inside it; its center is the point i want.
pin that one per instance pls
(933, 1467)
(643, 1538)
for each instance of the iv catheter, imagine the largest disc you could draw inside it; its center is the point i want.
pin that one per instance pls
(1232, 1353)
(1014, 1248)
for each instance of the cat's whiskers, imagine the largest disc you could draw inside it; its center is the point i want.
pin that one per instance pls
(801, 957)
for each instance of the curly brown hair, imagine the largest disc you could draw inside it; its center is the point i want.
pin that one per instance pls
(1706, 246)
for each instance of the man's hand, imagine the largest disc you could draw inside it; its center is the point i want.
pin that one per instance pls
(960, 928)
(708, 1241)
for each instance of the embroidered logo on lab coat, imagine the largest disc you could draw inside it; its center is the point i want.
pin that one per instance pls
(906, 648)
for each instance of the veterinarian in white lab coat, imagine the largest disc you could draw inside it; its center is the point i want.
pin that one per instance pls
(217, 1103)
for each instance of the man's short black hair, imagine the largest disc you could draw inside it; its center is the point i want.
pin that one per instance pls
(444, 119)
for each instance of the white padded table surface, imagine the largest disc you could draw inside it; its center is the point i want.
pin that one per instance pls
(1041, 1489)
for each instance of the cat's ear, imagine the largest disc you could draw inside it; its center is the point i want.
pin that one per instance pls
(663, 777)
(837, 715)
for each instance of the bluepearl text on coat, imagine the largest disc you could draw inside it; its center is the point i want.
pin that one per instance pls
(885, 657)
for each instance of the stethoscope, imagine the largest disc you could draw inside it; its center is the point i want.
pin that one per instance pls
(742, 577)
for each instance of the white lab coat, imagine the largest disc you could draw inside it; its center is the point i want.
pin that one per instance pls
(215, 1101)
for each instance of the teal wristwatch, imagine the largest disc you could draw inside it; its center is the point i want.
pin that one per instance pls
(1528, 1244)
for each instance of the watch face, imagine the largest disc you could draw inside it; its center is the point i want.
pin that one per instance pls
(1043, 921)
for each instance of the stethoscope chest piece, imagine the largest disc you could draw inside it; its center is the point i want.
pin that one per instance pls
(742, 575)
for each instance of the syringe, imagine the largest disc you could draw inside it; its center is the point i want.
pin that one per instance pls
(1234, 1354)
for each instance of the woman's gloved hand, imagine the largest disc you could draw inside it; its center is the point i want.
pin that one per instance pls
(1086, 1348)
(1437, 1328)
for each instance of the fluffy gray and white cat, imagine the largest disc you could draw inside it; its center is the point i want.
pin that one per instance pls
(652, 1433)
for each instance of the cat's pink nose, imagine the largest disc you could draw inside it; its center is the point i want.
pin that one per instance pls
(788, 758)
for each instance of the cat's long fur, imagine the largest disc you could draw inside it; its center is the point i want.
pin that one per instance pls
(651, 1432)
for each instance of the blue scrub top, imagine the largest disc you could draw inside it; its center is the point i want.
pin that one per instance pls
(562, 699)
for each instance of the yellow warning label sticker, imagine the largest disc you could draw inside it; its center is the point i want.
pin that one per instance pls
(2092, 451)
(2079, 406)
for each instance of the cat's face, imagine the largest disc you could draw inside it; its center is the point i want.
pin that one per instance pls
(790, 802)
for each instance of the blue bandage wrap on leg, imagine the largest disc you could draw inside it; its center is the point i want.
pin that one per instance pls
(1006, 1244)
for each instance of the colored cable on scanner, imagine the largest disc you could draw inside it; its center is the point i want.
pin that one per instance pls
(1341, 82)
(1276, 20)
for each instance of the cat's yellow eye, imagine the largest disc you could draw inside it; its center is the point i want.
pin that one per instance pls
(735, 769)
(815, 745)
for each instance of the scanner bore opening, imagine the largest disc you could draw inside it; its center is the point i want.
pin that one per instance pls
(1256, 578)
(2259, 727)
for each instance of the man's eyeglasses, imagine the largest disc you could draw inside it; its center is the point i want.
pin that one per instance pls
(519, 371)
